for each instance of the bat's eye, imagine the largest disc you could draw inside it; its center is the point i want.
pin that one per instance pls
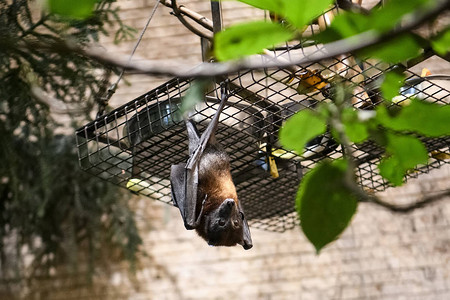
(222, 222)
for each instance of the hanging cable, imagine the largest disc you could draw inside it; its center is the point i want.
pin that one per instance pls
(112, 89)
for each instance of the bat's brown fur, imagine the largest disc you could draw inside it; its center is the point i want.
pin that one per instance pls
(215, 183)
(215, 178)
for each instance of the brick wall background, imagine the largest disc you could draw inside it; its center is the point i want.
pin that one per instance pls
(380, 256)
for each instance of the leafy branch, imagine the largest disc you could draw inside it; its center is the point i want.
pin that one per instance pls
(350, 44)
(336, 110)
(333, 184)
(328, 195)
(49, 206)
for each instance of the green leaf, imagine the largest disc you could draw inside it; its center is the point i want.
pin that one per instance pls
(405, 152)
(80, 9)
(276, 6)
(356, 130)
(249, 38)
(391, 85)
(394, 51)
(391, 170)
(325, 205)
(422, 117)
(298, 12)
(349, 23)
(301, 128)
(194, 95)
(441, 44)
(391, 13)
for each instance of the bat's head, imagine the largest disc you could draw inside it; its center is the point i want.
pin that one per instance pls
(225, 225)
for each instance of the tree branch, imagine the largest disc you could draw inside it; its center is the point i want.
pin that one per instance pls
(181, 10)
(349, 181)
(408, 207)
(255, 62)
(196, 17)
(54, 104)
(177, 11)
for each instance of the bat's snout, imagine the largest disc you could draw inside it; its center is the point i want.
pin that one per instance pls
(229, 202)
(226, 207)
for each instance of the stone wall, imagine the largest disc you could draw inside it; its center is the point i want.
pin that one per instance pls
(382, 255)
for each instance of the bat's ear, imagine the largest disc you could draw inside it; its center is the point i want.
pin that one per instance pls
(246, 236)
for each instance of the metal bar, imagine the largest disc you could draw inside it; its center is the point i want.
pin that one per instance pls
(205, 49)
(216, 12)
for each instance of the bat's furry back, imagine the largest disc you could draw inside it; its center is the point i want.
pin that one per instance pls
(205, 194)
(215, 180)
(221, 223)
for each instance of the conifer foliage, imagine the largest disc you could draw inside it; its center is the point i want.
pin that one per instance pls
(48, 206)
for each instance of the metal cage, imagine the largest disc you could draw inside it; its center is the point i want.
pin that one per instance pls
(134, 145)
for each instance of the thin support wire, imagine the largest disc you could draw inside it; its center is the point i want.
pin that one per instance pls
(113, 87)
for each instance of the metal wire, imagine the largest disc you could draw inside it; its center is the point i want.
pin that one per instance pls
(134, 145)
(112, 89)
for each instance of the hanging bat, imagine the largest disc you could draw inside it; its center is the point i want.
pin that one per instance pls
(204, 192)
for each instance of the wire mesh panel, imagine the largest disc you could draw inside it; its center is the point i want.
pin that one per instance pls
(134, 145)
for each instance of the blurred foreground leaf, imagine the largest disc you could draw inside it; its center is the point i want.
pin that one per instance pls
(422, 117)
(300, 129)
(391, 85)
(248, 38)
(441, 44)
(325, 205)
(405, 152)
(79, 9)
(356, 130)
(300, 13)
(394, 51)
(194, 95)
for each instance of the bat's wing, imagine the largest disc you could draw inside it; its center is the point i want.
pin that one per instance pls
(184, 182)
(196, 149)
(184, 193)
(177, 184)
(246, 237)
(193, 135)
(184, 177)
